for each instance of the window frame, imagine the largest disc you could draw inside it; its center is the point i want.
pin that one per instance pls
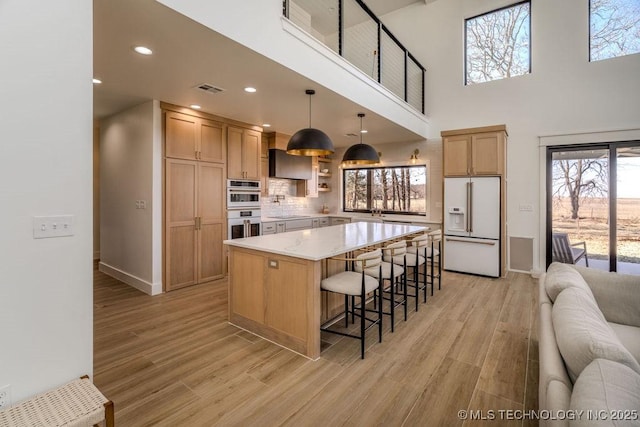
(369, 170)
(589, 40)
(529, 69)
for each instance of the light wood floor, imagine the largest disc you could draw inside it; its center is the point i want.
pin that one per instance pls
(173, 360)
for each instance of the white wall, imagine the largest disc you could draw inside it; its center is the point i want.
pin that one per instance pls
(130, 170)
(46, 292)
(563, 94)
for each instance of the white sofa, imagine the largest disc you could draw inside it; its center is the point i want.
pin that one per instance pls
(589, 341)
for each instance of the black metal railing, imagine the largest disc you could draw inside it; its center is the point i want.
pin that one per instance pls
(352, 30)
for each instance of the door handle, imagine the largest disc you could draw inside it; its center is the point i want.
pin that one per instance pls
(450, 239)
(471, 207)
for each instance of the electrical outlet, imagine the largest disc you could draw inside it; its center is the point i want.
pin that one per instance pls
(5, 397)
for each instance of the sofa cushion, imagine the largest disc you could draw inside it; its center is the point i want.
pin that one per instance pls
(562, 276)
(629, 336)
(583, 334)
(608, 388)
(617, 295)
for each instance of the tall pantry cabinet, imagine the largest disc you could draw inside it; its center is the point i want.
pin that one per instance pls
(195, 179)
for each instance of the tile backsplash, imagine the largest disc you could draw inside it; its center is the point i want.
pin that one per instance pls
(291, 204)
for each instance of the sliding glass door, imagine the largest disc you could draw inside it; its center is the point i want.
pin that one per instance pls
(593, 206)
(627, 207)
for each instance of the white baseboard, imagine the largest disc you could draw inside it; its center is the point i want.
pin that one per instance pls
(131, 280)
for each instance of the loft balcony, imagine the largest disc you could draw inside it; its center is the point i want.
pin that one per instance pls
(352, 30)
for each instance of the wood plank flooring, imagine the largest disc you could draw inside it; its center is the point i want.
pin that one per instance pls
(173, 360)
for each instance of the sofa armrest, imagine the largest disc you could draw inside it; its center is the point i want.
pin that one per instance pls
(554, 385)
(617, 295)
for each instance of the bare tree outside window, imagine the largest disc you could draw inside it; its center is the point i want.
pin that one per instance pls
(393, 189)
(580, 179)
(498, 44)
(614, 28)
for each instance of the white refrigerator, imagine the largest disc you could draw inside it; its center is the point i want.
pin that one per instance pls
(472, 225)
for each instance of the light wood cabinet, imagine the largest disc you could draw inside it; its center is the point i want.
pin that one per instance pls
(194, 138)
(195, 223)
(474, 151)
(243, 153)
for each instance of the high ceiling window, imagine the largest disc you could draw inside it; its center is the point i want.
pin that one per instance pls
(614, 28)
(498, 44)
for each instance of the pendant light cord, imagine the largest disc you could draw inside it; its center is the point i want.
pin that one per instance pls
(310, 110)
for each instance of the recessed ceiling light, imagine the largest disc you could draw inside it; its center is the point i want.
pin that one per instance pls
(266, 125)
(97, 81)
(250, 89)
(195, 106)
(143, 50)
(364, 131)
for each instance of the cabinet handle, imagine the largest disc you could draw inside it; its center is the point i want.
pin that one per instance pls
(198, 222)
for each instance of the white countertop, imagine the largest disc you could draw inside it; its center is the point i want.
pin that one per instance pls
(320, 243)
(355, 217)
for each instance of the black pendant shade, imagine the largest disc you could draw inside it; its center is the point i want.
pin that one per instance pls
(310, 141)
(360, 154)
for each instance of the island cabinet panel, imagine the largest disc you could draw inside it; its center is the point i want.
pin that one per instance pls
(286, 288)
(247, 270)
(276, 297)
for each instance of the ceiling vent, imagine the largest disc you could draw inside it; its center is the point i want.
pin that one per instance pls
(209, 88)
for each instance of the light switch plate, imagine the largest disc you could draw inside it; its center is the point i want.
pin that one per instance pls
(52, 226)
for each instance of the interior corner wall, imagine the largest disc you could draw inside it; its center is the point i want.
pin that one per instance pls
(96, 190)
(46, 292)
(130, 175)
(565, 93)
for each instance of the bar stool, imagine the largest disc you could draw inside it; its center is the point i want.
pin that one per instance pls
(354, 284)
(418, 252)
(395, 254)
(435, 239)
(382, 271)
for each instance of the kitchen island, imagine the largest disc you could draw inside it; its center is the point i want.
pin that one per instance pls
(274, 280)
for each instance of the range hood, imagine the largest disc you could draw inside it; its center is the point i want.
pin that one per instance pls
(287, 166)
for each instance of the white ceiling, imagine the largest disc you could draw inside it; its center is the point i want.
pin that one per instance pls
(187, 54)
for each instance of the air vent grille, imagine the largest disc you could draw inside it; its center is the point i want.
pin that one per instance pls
(209, 88)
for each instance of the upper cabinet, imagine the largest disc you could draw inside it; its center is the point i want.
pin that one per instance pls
(194, 138)
(243, 153)
(474, 151)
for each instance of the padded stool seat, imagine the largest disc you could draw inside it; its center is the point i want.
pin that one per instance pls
(349, 283)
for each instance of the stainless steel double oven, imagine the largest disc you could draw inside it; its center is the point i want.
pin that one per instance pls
(243, 208)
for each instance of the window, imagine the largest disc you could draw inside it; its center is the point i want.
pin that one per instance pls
(401, 189)
(614, 28)
(498, 44)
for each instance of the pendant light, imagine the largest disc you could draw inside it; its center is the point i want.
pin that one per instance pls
(310, 141)
(360, 154)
